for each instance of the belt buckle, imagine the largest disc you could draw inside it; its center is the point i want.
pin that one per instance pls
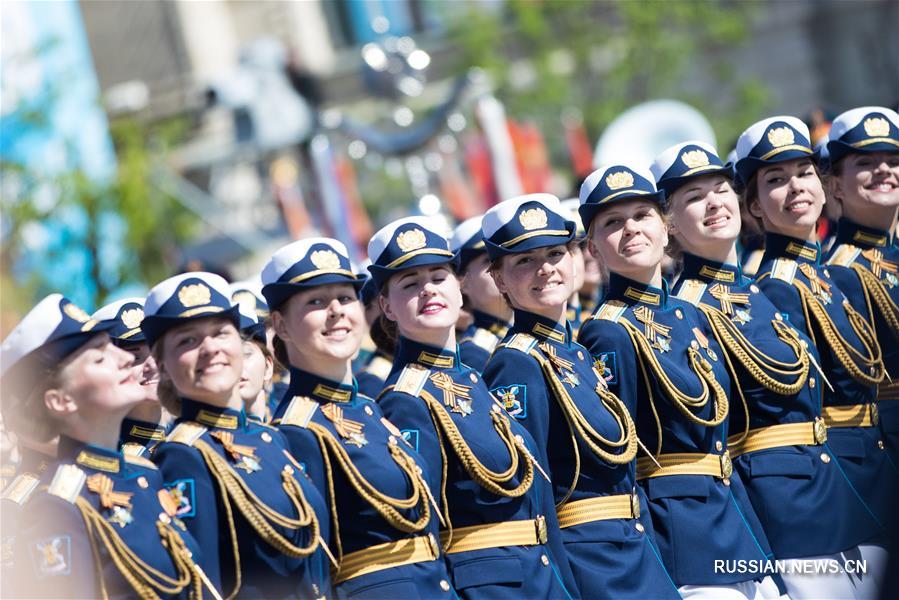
(432, 544)
(820, 430)
(727, 467)
(635, 505)
(875, 415)
(540, 524)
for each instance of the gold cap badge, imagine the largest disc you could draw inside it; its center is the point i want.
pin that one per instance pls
(695, 158)
(533, 218)
(877, 127)
(410, 240)
(194, 295)
(620, 180)
(325, 259)
(76, 312)
(781, 136)
(132, 318)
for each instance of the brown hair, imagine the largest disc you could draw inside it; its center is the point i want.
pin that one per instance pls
(24, 412)
(165, 391)
(385, 334)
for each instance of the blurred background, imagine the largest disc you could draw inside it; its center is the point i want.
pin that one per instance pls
(143, 138)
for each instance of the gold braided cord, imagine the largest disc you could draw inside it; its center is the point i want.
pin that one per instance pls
(145, 580)
(489, 480)
(840, 346)
(684, 402)
(448, 523)
(875, 290)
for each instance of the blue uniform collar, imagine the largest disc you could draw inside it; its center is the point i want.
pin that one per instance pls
(784, 246)
(33, 461)
(437, 359)
(542, 328)
(320, 389)
(633, 292)
(849, 232)
(89, 456)
(703, 269)
(492, 324)
(214, 417)
(140, 432)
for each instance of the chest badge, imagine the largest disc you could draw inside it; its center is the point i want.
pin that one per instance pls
(820, 288)
(656, 334)
(727, 300)
(244, 457)
(455, 395)
(119, 503)
(351, 431)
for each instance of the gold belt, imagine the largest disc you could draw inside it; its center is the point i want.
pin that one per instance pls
(386, 556)
(888, 391)
(716, 465)
(496, 535)
(810, 433)
(601, 508)
(856, 415)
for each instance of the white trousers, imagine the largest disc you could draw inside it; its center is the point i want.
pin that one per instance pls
(745, 590)
(820, 583)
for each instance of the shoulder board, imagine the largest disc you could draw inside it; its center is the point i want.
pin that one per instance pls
(485, 339)
(299, 412)
(67, 483)
(691, 291)
(844, 255)
(132, 449)
(20, 489)
(610, 311)
(186, 433)
(521, 342)
(140, 461)
(412, 380)
(784, 269)
(380, 367)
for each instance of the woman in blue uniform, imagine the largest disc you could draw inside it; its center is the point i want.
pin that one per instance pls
(385, 527)
(101, 525)
(371, 377)
(663, 361)
(499, 529)
(142, 429)
(238, 491)
(777, 436)
(585, 435)
(258, 365)
(492, 316)
(864, 259)
(782, 189)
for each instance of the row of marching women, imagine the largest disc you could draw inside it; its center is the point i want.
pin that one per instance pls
(546, 414)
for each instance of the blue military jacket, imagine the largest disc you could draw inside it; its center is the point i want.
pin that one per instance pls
(697, 518)
(372, 376)
(257, 455)
(858, 247)
(479, 340)
(138, 438)
(612, 557)
(55, 553)
(423, 372)
(791, 487)
(316, 411)
(787, 265)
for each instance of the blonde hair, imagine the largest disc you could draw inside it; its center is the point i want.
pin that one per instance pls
(165, 391)
(24, 412)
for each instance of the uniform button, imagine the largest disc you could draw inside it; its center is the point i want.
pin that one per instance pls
(679, 314)
(880, 444)
(473, 377)
(544, 559)
(315, 589)
(825, 457)
(165, 518)
(266, 436)
(288, 469)
(369, 411)
(754, 288)
(639, 527)
(444, 585)
(826, 273)
(725, 481)
(778, 316)
(142, 482)
(580, 355)
(811, 382)
(719, 446)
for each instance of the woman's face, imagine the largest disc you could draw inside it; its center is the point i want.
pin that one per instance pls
(322, 323)
(98, 379)
(423, 301)
(705, 214)
(257, 372)
(145, 370)
(539, 281)
(204, 359)
(790, 198)
(865, 180)
(630, 239)
(480, 288)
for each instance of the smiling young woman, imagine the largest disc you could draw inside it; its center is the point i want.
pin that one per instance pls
(101, 524)
(776, 433)
(384, 527)
(500, 534)
(236, 487)
(662, 360)
(783, 189)
(585, 435)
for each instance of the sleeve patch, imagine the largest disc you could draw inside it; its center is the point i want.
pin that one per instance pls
(606, 364)
(182, 492)
(410, 436)
(513, 398)
(53, 556)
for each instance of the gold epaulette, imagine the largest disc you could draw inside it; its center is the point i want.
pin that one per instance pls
(521, 342)
(186, 433)
(379, 366)
(784, 269)
(844, 255)
(691, 291)
(140, 461)
(67, 483)
(20, 488)
(412, 380)
(299, 412)
(610, 311)
(485, 339)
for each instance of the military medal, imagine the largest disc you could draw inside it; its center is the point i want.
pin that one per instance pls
(565, 368)
(455, 395)
(703, 342)
(821, 289)
(350, 431)
(881, 266)
(244, 457)
(655, 333)
(117, 502)
(727, 299)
